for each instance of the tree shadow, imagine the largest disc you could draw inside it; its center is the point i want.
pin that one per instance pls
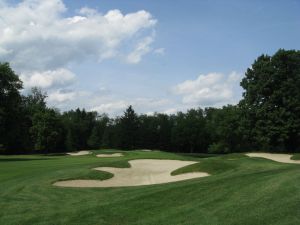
(21, 159)
(55, 154)
(199, 155)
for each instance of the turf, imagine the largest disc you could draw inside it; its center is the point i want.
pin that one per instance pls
(241, 190)
(296, 156)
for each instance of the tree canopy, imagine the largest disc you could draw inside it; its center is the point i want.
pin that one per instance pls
(267, 118)
(272, 100)
(10, 104)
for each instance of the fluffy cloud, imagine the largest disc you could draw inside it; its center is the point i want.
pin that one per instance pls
(35, 35)
(171, 111)
(150, 103)
(60, 96)
(116, 107)
(142, 48)
(48, 79)
(213, 89)
(40, 42)
(111, 108)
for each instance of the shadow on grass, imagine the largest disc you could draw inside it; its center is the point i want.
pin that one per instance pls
(199, 155)
(21, 159)
(56, 154)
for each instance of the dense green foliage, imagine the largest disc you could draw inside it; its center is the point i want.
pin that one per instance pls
(272, 100)
(241, 190)
(267, 118)
(10, 105)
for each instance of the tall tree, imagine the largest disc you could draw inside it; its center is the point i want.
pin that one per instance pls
(272, 100)
(95, 139)
(47, 131)
(78, 125)
(10, 103)
(224, 130)
(112, 136)
(129, 129)
(32, 104)
(189, 133)
(164, 131)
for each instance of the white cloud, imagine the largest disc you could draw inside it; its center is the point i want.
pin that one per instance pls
(35, 35)
(142, 48)
(115, 107)
(149, 113)
(48, 79)
(171, 111)
(150, 103)
(41, 42)
(213, 89)
(67, 98)
(61, 96)
(87, 11)
(112, 108)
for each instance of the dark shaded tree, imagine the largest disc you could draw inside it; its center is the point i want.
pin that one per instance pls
(164, 131)
(267, 118)
(32, 104)
(78, 126)
(223, 130)
(129, 129)
(272, 100)
(112, 137)
(95, 139)
(10, 107)
(188, 133)
(47, 131)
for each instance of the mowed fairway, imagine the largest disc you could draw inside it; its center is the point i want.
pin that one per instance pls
(240, 190)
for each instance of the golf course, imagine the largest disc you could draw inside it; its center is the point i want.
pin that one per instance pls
(135, 112)
(238, 189)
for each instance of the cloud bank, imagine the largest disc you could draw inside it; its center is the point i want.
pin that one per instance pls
(48, 79)
(41, 43)
(212, 89)
(36, 35)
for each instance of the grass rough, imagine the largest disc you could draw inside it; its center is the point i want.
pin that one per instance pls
(241, 190)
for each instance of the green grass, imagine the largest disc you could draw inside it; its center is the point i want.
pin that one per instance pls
(210, 166)
(296, 157)
(241, 190)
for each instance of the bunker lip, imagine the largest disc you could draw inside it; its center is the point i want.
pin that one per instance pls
(79, 153)
(110, 155)
(141, 172)
(283, 158)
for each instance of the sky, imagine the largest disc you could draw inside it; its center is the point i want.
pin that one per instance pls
(158, 56)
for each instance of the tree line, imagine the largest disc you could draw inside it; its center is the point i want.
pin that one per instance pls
(267, 118)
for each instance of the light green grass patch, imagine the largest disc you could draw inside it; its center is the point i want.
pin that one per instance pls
(243, 191)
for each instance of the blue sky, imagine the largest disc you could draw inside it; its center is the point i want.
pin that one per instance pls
(169, 56)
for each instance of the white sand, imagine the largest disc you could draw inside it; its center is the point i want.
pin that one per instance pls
(283, 158)
(110, 155)
(146, 150)
(142, 172)
(79, 153)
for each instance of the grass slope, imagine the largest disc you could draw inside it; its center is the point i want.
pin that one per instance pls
(241, 190)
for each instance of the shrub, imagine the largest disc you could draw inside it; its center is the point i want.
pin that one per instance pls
(217, 148)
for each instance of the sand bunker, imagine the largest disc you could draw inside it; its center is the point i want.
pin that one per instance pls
(283, 158)
(110, 155)
(79, 153)
(142, 172)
